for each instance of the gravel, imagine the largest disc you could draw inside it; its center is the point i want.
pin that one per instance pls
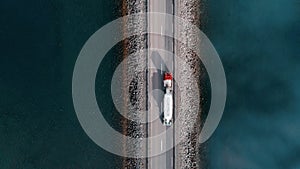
(134, 82)
(189, 71)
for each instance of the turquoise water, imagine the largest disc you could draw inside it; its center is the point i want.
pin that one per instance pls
(258, 42)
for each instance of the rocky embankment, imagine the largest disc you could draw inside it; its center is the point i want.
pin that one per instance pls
(189, 73)
(134, 83)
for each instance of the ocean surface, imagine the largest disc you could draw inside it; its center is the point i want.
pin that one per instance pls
(258, 42)
(259, 45)
(40, 41)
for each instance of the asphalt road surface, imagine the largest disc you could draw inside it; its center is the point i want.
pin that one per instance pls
(159, 62)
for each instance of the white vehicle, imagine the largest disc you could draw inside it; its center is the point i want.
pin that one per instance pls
(168, 100)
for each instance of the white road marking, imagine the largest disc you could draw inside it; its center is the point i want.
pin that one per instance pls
(161, 30)
(161, 145)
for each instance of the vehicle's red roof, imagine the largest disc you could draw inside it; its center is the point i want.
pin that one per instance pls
(168, 76)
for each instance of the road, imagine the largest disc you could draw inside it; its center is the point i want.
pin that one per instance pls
(159, 62)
